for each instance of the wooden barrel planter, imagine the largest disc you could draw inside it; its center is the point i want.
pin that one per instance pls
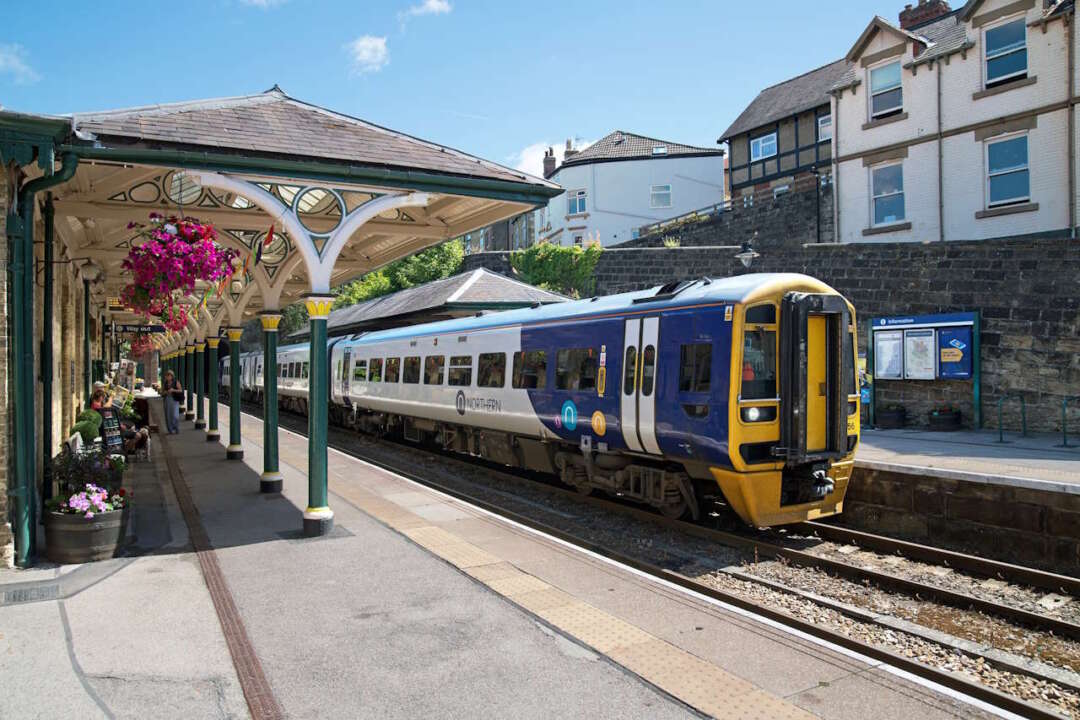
(890, 418)
(945, 421)
(73, 538)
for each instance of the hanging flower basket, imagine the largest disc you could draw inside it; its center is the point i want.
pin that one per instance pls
(176, 253)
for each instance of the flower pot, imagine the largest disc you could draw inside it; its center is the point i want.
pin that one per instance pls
(71, 538)
(890, 419)
(945, 421)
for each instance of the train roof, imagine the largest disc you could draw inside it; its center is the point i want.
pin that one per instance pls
(704, 291)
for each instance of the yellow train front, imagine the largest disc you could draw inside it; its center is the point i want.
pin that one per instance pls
(793, 419)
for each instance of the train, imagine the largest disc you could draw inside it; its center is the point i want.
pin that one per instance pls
(739, 392)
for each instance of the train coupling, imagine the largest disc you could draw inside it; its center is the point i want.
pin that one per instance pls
(823, 484)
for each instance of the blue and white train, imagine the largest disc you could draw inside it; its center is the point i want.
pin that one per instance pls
(742, 387)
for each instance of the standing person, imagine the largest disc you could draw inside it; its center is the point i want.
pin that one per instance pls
(173, 392)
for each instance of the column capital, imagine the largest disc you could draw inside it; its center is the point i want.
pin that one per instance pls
(190, 350)
(212, 343)
(270, 320)
(318, 306)
(200, 347)
(235, 334)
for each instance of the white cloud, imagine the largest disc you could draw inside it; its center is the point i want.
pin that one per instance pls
(530, 158)
(369, 54)
(430, 7)
(13, 62)
(263, 4)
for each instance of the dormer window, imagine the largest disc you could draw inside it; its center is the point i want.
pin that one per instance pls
(886, 93)
(659, 150)
(1006, 52)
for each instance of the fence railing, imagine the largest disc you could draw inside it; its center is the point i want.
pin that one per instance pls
(1023, 415)
(699, 215)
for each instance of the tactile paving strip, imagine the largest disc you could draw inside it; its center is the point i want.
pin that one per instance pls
(431, 536)
(517, 585)
(595, 627)
(464, 555)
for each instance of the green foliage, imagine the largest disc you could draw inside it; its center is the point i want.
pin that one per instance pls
(435, 263)
(293, 319)
(566, 270)
(90, 416)
(88, 429)
(671, 241)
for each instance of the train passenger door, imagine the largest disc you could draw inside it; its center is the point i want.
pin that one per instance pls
(637, 413)
(346, 376)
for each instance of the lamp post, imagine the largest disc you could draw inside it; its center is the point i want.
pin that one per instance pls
(747, 254)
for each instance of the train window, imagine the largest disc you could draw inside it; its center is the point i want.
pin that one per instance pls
(849, 363)
(491, 370)
(460, 373)
(393, 369)
(433, 369)
(359, 373)
(411, 371)
(759, 365)
(648, 369)
(294, 371)
(695, 365)
(375, 370)
(761, 315)
(629, 370)
(281, 370)
(575, 369)
(304, 369)
(530, 370)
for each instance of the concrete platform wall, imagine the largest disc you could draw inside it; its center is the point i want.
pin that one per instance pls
(1015, 524)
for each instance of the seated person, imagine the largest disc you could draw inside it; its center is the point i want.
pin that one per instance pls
(100, 399)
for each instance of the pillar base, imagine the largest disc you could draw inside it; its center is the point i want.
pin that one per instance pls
(234, 452)
(189, 416)
(200, 424)
(318, 522)
(212, 436)
(270, 482)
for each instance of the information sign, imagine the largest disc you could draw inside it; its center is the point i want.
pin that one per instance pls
(889, 355)
(110, 429)
(954, 353)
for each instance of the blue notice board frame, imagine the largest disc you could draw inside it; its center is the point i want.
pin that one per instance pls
(951, 321)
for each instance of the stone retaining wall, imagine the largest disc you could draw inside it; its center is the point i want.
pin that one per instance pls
(1039, 528)
(1026, 288)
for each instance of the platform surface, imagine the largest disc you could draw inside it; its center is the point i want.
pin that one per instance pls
(416, 605)
(1037, 461)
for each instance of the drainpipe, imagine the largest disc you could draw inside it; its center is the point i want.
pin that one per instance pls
(1070, 36)
(23, 370)
(86, 342)
(47, 356)
(836, 167)
(940, 163)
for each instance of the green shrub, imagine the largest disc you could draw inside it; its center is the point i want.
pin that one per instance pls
(566, 270)
(89, 430)
(92, 416)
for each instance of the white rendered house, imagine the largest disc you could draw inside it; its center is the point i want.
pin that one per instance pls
(624, 181)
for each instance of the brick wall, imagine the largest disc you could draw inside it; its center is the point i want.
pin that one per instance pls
(7, 547)
(789, 219)
(1026, 290)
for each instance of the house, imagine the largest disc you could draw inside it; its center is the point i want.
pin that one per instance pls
(514, 233)
(624, 181)
(784, 134)
(958, 124)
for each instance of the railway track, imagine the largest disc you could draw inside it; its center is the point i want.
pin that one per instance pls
(768, 545)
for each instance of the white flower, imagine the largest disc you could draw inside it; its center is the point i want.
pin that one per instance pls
(170, 228)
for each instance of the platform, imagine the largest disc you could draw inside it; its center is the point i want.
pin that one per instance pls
(415, 605)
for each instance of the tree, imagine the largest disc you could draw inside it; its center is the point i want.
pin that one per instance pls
(435, 263)
(566, 270)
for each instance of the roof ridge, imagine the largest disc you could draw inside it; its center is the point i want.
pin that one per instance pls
(199, 104)
(800, 75)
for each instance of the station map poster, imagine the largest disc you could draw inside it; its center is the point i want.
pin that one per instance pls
(889, 355)
(920, 354)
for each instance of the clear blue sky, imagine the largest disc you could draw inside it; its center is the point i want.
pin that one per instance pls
(491, 77)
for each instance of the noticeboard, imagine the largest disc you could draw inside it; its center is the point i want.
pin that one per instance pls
(889, 355)
(920, 354)
(954, 353)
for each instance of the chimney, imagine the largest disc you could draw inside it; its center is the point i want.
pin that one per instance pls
(570, 151)
(924, 12)
(549, 162)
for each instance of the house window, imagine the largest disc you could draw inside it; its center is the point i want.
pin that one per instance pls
(886, 94)
(1006, 52)
(887, 182)
(824, 128)
(660, 196)
(1007, 177)
(579, 240)
(575, 202)
(763, 147)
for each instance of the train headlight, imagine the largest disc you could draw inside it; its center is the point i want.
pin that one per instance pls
(758, 414)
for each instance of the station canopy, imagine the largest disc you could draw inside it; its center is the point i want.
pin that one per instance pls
(344, 196)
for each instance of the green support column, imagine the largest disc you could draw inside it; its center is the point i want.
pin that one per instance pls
(86, 343)
(318, 517)
(212, 434)
(101, 354)
(189, 381)
(235, 451)
(200, 386)
(271, 476)
(181, 378)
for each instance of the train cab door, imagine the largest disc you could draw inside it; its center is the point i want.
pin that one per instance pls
(637, 410)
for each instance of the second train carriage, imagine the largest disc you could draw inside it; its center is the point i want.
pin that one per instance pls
(743, 387)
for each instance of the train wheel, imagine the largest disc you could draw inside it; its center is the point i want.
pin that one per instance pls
(674, 511)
